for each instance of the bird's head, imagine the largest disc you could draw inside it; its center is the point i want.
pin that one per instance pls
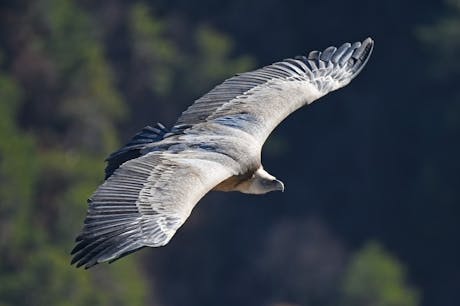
(268, 185)
(261, 182)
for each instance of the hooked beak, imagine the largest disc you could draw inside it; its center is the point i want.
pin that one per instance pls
(279, 185)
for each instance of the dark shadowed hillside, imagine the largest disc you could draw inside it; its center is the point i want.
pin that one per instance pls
(371, 208)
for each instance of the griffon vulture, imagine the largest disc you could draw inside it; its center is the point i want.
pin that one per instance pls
(153, 182)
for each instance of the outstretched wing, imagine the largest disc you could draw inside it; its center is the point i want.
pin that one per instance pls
(144, 202)
(258, 101)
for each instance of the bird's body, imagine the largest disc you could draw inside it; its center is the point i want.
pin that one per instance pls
(153, 183)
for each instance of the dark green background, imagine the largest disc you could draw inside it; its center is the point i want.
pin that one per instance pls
(371, 208)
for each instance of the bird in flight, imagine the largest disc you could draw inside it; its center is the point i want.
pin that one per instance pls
(153, 182)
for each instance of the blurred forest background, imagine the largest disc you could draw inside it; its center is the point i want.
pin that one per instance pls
(371, 212)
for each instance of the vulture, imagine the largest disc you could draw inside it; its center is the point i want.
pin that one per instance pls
(153, 182)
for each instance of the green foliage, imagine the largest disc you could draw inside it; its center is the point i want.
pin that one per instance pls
(89, 101)
(43, 188)
(152, 48)
(35, 237)
(48, 172)
(212, 61)
(375, 278)
(18, 169)
(188, 65)
(443, 39)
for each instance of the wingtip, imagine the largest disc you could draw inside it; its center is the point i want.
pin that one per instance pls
(361, 56)
(368, 40)
(370, 43)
